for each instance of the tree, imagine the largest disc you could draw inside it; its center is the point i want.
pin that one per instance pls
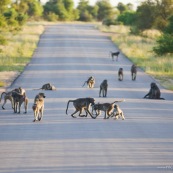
(63, 9)
(86, 11)
(165, 42)
(121, 7)
(146, 15)
(127, 18)
(105, 10)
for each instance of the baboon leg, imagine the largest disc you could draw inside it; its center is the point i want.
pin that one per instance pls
(105, 115)
(117, 58)
(4, 103)
(100, 92)
(90, 114)
(15, 107)
(74, 113)
(26, 105)
(105, 93)
(19, 106)
(40, 115)
(122, 115)
(35, 116)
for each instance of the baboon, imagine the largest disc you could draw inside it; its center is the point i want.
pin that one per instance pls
(18, 100)
(105, 107)
(117, 112)
(81, 104)
(114, 54)
(38, 107)
(47, 86)
(154, 92)
(103, 88)
(133, 71)
(90, 82)
(8, 96)
(120, 74)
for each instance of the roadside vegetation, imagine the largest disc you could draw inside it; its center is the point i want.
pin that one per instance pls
(144, 34)
(139, 50)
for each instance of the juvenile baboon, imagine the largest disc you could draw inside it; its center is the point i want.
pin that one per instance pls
(113, 54)
(103, 88)
(81, 104)
(8, 96)
(38, 107)
(154, 92)
(117, 112)
(18, 100)
(133, 71)
(47, 86)
(90, 82)
(107, 108)
(120, 74)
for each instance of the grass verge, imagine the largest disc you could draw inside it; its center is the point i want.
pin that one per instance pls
(20, 47)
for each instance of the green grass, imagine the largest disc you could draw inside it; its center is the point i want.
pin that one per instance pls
(139, 50)
(2, 84)
(17, 53)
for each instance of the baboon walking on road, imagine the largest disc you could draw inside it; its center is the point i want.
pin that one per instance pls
(81, 104)
(38, 107)
(103, 88)
(107, 108)
(114, 54)
(120, 74)
(90, 82)
(133, 71)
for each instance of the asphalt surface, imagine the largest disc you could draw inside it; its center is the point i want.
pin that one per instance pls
(66, 56)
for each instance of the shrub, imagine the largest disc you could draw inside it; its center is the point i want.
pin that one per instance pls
(164, 44)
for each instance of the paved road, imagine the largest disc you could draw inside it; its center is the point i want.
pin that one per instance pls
(66, 56)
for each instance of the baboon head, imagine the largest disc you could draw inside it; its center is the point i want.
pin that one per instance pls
(42, 95)
(153, 85)
(91, 100)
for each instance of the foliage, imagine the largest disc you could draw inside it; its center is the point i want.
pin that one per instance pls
(121, 7)
(21, 47)
(139, 50)
(86, 12)
(127, 18)
(63, 9)
(164, 44)
(105, 10)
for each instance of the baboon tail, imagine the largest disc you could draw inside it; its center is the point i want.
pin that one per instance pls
(67, 106)
(118, 101)
(1, 95)
(84, 83)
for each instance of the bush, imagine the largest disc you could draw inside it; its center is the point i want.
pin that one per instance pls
(164, 45)
(51, 17)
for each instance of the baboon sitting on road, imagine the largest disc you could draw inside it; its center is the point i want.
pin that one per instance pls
(103, 88)
(154, 92)
(117, 112)
(81, 104)
(90, 82)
